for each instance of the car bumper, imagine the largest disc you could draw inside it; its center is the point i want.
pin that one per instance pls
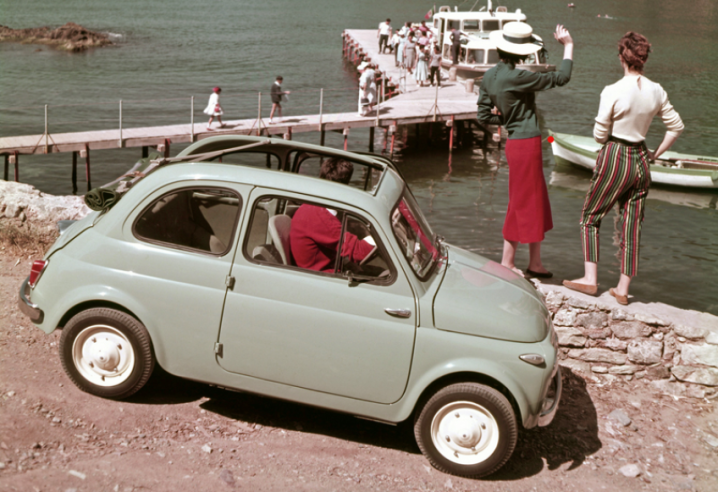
(550, 403)
(29, 309)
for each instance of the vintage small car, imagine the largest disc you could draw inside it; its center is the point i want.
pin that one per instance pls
(192, 269)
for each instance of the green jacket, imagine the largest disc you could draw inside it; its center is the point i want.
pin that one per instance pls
(512, 91)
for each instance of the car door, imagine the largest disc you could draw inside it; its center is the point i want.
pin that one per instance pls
(317, 330)
(176, 258)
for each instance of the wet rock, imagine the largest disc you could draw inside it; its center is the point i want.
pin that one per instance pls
(227, 477)
(614, 344)
(707, 376)
(598, 333)
(645, 351)
(687, 331)
(598, 355)
(649, 320)
(576, 365)
(678, 389)
(565, 317)
(620, 315)
(622, 370)
(630, 471)
(554, 299)
(592, 320)
(620, 416)
(706, 354)
(658, 372)
(570, 337)
(580, 303)
(631, 329)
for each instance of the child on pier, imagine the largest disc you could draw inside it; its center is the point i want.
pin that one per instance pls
(214, 109)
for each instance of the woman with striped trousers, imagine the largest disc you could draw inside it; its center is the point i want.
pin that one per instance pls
(621, 175)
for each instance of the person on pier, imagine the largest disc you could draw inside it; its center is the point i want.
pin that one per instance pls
(512, 93)
(277, 93)
(214, 108)
(410, 53)
(383, 33)
(622, 174)
(367, 88)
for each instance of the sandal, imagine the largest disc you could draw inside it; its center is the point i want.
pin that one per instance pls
(623, 300)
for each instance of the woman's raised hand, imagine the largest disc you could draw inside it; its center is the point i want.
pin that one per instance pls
(562, 35)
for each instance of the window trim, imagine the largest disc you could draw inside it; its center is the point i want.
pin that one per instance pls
(385, 282)
(436, 261)
(180, 247)
(218, 159)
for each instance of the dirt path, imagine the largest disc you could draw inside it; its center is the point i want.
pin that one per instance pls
(180, 435)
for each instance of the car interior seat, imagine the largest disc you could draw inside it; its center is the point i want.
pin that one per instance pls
(279, 227)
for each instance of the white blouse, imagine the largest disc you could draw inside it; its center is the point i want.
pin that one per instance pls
(628, 107)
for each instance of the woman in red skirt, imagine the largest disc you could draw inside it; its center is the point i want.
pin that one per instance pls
(512, 93)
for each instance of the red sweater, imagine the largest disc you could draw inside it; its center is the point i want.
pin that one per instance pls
(314, 239)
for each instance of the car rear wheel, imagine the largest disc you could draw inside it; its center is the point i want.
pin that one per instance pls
(467, 429)
(106, 352)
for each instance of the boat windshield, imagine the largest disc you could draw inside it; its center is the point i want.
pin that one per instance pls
(414, 235)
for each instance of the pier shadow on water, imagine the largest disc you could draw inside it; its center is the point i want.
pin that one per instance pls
(571, 437)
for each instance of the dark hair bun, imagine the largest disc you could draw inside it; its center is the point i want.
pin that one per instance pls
(634, 49)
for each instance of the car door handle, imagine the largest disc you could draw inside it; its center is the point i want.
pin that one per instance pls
(399, 313)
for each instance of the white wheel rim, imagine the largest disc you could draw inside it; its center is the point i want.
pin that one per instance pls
(103, 355)
(465, 433)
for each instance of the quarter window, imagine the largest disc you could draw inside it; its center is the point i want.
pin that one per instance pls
(200, 219)
(414, 236)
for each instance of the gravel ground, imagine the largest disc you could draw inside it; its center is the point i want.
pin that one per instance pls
(180, 435)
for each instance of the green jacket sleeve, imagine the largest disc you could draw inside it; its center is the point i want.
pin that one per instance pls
(484, 114)
(526, 81)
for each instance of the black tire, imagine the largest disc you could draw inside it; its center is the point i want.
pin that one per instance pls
(495, 443)
(113, 329)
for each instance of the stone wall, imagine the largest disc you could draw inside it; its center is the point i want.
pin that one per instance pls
(676, 349)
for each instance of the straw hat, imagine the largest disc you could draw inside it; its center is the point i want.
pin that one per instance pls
(516, 38)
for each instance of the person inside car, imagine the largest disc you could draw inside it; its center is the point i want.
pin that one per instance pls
(316, 230)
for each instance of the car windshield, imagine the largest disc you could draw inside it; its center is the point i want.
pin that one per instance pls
(414, 235)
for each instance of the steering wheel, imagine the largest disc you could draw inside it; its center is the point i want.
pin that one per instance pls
(368, 257)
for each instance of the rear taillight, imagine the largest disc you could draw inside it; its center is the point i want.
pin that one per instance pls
(37, 268)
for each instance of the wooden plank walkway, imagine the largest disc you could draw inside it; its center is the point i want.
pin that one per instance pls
(414, 105)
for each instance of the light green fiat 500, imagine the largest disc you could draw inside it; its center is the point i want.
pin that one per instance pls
(205, 265)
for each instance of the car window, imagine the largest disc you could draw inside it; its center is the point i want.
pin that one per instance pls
(201, 219)
(414, 235)
(309, 164)
(305, 235)
(252, 159)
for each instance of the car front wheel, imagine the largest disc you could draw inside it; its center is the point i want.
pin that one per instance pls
(106, 352)
(467, 429)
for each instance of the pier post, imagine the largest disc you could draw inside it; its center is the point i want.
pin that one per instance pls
(47, 135)
(346, 137)
(74, 173)
(321, 108)
(392, 130)
(386, 135)
(7, 167)
(451, 133)
(87, 166)
(321, 137)
(145, 151)
(16, 161)
(371, 139)
(259, 114)
(120, 142)
(191, 119)
(167, 148)
(288, 135)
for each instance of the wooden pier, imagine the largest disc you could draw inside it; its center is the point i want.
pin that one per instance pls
(406, 103)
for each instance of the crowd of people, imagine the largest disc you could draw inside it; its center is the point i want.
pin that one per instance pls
(415, 49)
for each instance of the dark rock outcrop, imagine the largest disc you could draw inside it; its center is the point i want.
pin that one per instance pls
(70, 37)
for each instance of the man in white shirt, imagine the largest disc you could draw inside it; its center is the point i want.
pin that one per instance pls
(383, 34)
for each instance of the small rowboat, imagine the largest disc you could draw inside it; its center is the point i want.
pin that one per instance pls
(672, 168)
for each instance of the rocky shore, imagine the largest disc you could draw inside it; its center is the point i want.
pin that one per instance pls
(70, 37)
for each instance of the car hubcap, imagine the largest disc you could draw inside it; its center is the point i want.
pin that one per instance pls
(465, 432)
(103, 355)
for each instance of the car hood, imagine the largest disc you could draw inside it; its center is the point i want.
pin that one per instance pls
(480, 297)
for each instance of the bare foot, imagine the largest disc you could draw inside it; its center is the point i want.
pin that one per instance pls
(514, 269)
